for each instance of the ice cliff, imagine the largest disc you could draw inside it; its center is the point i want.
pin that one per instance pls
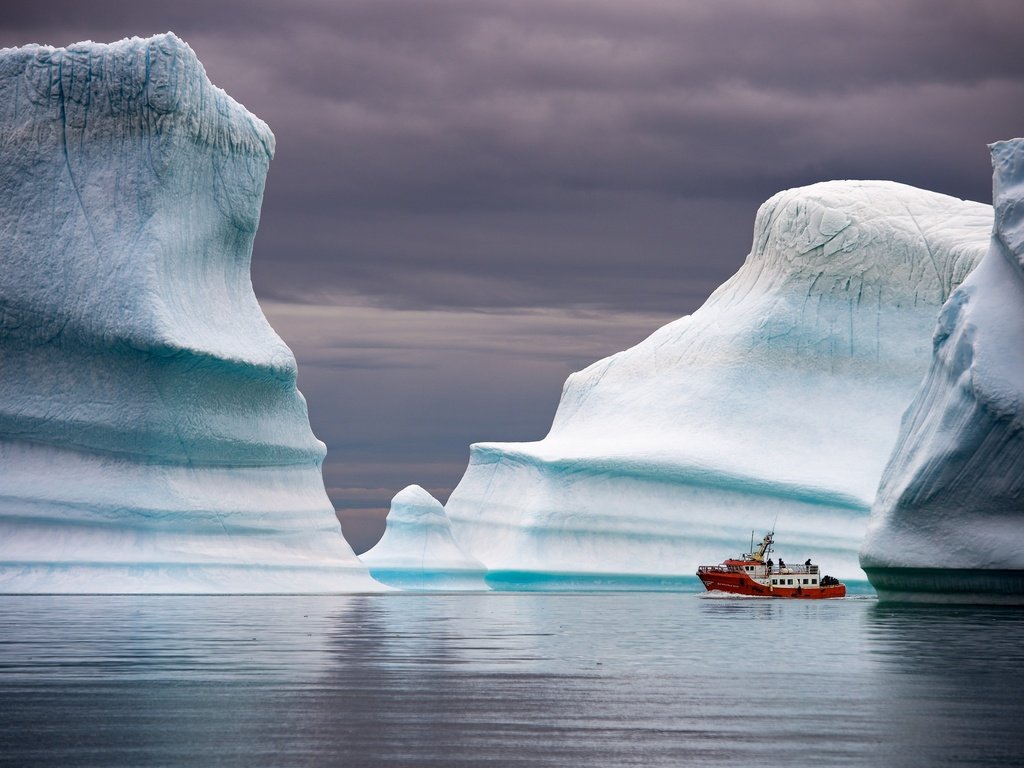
(418, 550)
(948, 521)
(151, 434)
(781, 396)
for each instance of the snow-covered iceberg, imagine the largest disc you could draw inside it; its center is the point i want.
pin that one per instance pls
(418, 550)
(948, 521)
(780, 397)
(151, 434)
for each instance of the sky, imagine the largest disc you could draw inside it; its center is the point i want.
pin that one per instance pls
(472, 199)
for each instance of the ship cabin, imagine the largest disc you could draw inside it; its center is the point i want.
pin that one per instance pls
(786, 576)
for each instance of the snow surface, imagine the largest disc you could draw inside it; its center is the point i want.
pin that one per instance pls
(418, 550)
(781, 396)
(151, 434)
(951, 500)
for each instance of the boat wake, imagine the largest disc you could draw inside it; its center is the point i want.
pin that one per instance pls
(719, 595)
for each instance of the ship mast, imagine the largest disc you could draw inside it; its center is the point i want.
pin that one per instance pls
(763, 549)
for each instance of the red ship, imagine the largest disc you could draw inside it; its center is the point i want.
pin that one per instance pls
(756, 575)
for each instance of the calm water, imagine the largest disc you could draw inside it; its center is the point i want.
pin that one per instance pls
(506, 679)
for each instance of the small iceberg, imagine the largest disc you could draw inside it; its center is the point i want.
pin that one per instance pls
(418, 550)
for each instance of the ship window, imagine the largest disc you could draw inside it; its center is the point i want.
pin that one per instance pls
(806, 581)
(775, 581)
(814, 581)
(789, 581)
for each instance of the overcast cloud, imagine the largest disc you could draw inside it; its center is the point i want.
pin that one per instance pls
(471, 199)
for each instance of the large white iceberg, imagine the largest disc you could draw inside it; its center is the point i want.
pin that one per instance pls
(779, 398)
(151, 434)
(948, 522)
(418, 550)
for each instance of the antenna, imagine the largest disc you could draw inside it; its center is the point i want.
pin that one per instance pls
(772, 534)
(751, 542)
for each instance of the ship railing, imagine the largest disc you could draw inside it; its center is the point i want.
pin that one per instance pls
(719, 569)
(789, 570)
(795, 569)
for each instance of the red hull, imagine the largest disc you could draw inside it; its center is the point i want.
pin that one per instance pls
(722, 579)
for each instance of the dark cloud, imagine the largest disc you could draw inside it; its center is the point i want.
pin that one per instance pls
(439, 160)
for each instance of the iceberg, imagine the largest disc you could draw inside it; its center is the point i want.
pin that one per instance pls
(780, 398)
(948, 521)
(152, 437)
(418, 550)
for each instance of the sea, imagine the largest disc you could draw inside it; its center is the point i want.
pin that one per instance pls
(507, 679)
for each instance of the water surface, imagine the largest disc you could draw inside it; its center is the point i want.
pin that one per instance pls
(644, 679)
